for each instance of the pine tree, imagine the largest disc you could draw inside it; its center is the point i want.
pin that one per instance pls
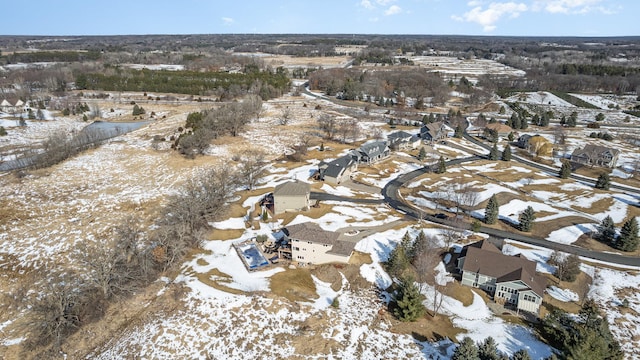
(407, 244)
(628, 240)
(459, 132)
(409, 305)
(607, 231)
(418, 247)
(488, 350)
(422, 154)
(397, 262)
(603, 182)
(467, 350)
(565, 170)
(511, 136)
(521, 354)
(526, 219)
(321, 146)
(524, 123)
(572, 120)
(493, 153)
(491, 212)
(442, 166)
(506, 153)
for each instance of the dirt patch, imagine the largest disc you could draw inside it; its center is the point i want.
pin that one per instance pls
(427, 328)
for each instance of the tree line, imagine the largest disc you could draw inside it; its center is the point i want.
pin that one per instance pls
(266, 84)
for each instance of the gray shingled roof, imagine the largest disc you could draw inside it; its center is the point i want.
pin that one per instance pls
(373, 149)
(399, 135)
(590, 149)
(292, 188)
(312, 232)
(483, 259)
(335, 168)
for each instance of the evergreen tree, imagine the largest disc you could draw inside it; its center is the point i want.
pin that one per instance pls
(407, 244)
(491, 212)
(418, 247)
(488, 350)
(3, 131)
(572, 120)
(607, 231)
(506, 153)
(628, 240)
(422, 154)
(493, 153)
(511, 136)
(459, 132)
(524, 123)
(442, 166)
(521, 354)
(526, 219)
(603, 182)
(466, 350)
(565, 170)
(409, 305)
(397, 262)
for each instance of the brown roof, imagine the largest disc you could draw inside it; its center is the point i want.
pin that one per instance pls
(499, 128)
(312, 232)
(535, 282)
(483, 244)
(290, 188)
(483, 259)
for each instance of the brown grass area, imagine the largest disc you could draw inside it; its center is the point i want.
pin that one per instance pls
(580, 287)
(294, 285)
(359, 258)
(227, 234)
(543, 229)
(427, 328)
(460, 292)
(587, 242)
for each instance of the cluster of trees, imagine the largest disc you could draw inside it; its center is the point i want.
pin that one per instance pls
(627, 240)
(601, 135)
(128, 260)
(486, 350)
(567, 267)
(570, 121)
(495, 154)
(50, 56)
(386, 88)
(137, 110)
(204, 126)
(266, 84)
(414, 260)
(77, 108)
(339, 129)
(586, 336)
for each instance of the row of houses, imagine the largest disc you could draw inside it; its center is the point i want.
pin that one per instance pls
(12, 105)
(336, 171)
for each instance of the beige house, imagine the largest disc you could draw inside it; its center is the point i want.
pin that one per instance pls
(512, 280)
(311, 244)
(291, 196)
(338, 170)
(596, 155)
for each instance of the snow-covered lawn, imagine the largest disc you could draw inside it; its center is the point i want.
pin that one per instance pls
(564, 295)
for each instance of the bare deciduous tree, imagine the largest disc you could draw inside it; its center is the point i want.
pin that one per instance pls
(285, 116)
(251, 165)
(328, 125)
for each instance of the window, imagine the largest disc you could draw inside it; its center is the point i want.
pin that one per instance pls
(300, 257)
(295, 248)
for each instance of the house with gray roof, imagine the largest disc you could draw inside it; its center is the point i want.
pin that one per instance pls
(338, 170)
(596, 155)
(372, 152)
(402, 140)
(291, 196)
(313, 245)
(433, 131)
(512, 280)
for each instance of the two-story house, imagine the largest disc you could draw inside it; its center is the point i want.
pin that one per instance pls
(313, 245)
(596, 155)
(512, 280)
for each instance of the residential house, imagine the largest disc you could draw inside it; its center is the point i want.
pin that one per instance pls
(512, 280)
(402, 140)
(291, 196)
(433, 131)
(311, 244)
(372, 152)
(501, 129)
(596, 155)
(338, 170)
(536, 144)
(12, 106)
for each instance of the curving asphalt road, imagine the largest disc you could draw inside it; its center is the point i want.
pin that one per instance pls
(392, 197)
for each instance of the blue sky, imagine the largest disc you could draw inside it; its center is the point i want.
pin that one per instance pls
(464, 17)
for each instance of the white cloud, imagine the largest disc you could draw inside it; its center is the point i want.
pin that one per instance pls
(393, 10)
(385, 2)
(367, 4)
(570, 6)
(492, 14)
(227, 20)
(473, 3)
